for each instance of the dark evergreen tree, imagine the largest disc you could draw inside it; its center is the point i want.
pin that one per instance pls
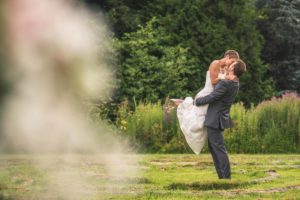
(279, 23)
(208, 28)
(124, 15)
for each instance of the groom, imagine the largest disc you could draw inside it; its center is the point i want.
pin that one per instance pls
(218, 118)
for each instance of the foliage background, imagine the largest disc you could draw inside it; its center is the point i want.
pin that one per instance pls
(164, 48)
(202, 29)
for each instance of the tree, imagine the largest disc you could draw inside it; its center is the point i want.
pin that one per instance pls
(124, 15)
(205, 29)
(279, 24)
(150, 69)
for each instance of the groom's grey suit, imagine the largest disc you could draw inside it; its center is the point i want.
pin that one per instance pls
(217, 119)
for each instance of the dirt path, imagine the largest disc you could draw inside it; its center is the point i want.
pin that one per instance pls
(272, 174)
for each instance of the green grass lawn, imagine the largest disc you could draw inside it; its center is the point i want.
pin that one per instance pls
(151, 176)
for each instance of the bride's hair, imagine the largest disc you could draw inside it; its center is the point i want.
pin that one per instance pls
(239, 68)
(232, 54)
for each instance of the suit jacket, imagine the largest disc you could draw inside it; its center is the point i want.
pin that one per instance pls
(220, 101)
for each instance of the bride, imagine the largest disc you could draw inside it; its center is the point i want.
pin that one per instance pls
(191, 118)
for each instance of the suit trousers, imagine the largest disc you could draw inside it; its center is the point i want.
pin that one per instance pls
(218, 151)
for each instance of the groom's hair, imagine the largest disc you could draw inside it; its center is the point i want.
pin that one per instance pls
(239, 68)
(232, 54)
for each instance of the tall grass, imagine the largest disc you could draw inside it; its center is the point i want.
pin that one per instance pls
(150, 130)
(271, 127)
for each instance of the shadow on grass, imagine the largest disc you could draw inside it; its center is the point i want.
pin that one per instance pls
(207, 185)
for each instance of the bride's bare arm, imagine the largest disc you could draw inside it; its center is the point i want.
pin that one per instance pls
(214, 70)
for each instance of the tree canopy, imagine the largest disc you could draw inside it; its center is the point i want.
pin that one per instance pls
(280, 25)
(204, 29)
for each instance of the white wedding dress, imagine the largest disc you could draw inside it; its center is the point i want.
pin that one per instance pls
(191, 118)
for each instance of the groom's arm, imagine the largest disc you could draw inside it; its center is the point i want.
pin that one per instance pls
(218, 92)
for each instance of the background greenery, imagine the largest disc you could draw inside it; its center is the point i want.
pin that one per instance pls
(164, 48)
(279, 24)
(203, 29)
